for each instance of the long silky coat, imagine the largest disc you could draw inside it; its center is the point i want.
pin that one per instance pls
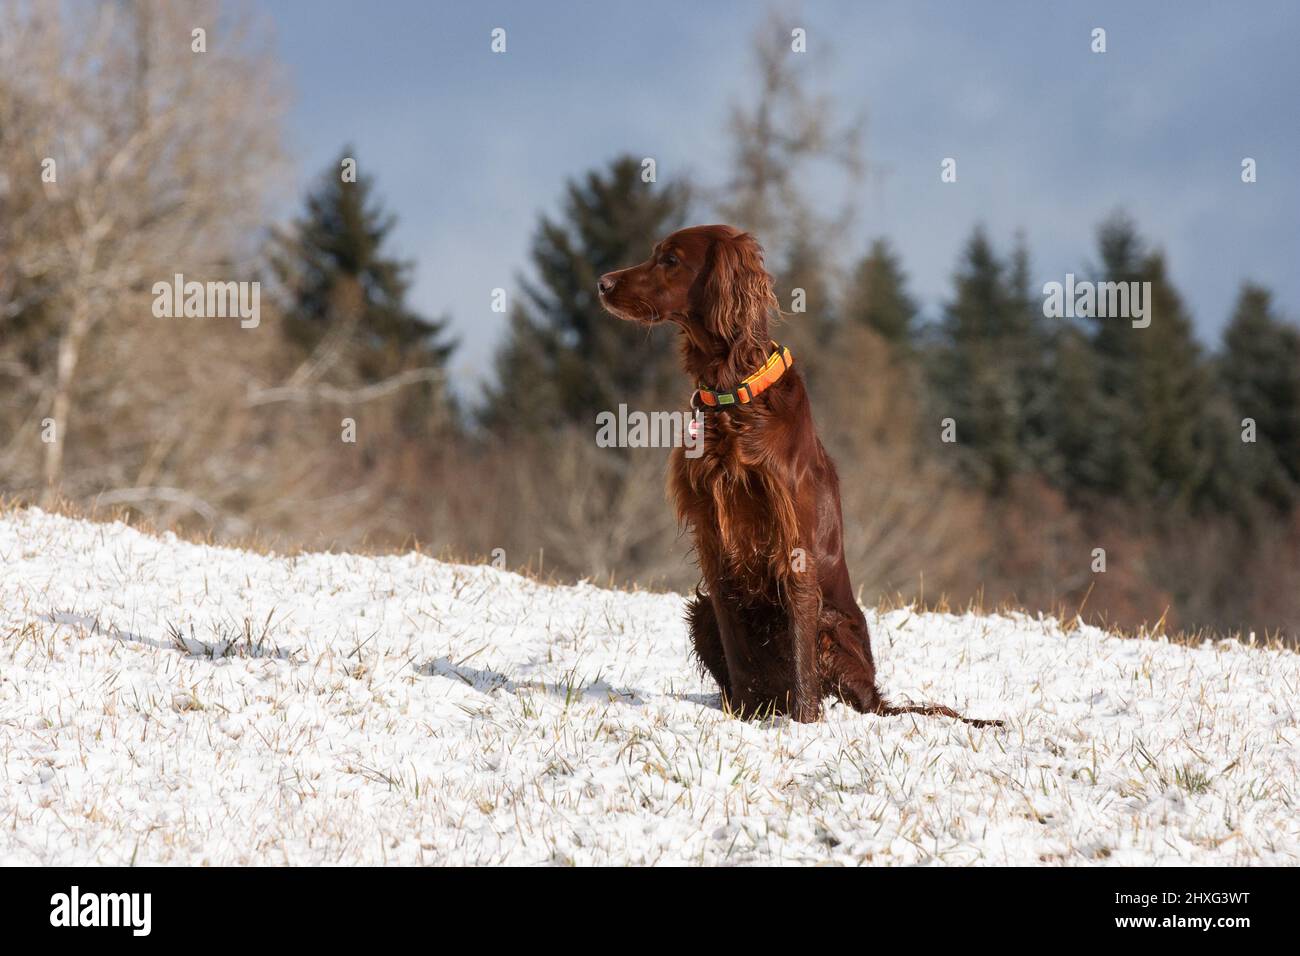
(775, 621)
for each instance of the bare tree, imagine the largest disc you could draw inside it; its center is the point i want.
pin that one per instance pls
(134, 155)
(780, 136)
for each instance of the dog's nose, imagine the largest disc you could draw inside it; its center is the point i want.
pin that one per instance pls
(605, 284)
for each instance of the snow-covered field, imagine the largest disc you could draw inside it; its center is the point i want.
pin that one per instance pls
(167, 702)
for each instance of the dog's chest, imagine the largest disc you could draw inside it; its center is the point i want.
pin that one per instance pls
(732, 504)
(725, 473)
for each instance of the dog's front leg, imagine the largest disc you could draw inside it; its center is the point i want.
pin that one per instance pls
(738, 692)
(804, 610)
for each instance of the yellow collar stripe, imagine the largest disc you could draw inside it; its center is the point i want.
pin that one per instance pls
(751, 387)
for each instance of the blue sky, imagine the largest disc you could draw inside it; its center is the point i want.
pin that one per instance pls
(469, 147)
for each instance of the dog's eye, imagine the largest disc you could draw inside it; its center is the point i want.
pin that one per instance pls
(669, 261)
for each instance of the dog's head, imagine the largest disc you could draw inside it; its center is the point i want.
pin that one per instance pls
(710, 280)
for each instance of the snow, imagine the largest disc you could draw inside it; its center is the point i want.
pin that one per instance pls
(165, 702)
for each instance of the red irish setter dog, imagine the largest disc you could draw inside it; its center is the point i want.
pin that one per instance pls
(777, 625)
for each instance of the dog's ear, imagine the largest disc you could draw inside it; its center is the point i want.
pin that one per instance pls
(739, 291)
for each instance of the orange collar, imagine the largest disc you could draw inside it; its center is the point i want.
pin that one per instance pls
(751, 387)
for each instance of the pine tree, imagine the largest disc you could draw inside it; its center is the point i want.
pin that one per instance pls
(1078, 424)
(1172, 391)
(802, 279)
(1027, 344)
(1260, 369)
(974, 368)
(1157, 386)
(1115, 464)
(338, 281)
(565, 358)
(1152, 441)
(878, 298)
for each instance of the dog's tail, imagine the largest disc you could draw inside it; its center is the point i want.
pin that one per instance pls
(886, 709)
